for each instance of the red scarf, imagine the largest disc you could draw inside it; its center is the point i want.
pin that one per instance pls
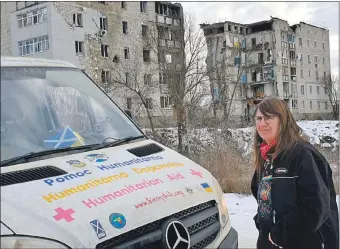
(264, 148)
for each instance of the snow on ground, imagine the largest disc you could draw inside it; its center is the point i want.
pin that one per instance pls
(242, 209)
(324, 133)
(320, 132)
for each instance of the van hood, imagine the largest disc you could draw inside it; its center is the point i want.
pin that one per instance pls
(104, 194)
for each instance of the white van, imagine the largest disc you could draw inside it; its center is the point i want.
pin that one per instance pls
(76, 171)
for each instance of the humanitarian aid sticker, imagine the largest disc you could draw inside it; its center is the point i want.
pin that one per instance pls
(196, 173)
(207, 188)
(64, 214)
(76, 163)
(189, 190)
(98, 158)
(98, 228)
(117, 220)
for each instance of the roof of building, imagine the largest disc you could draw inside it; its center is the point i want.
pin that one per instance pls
(33, 62)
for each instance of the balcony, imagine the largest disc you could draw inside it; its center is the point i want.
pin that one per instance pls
(292, 62)
(293, 77)
(169, 43)
(285, 77)
(168, 20)
(292, 46)
(286, 94)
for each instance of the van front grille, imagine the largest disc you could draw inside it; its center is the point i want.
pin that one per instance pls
(202, 222)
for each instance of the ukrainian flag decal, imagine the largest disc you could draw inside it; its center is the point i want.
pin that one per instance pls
(64, 138)
(206, 187)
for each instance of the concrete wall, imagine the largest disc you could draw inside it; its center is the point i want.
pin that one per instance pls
(6, 42)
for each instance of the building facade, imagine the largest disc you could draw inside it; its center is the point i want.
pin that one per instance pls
(269, 58)
(107, 40)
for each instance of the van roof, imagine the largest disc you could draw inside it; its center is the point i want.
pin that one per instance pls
(33, 62)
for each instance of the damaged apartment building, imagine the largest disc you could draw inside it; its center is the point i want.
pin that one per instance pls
(268, 58)
(103, 39)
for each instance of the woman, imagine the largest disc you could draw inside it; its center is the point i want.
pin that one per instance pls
(292, 184)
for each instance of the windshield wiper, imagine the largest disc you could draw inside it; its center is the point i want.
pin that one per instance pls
(114, 143)
(25, 157)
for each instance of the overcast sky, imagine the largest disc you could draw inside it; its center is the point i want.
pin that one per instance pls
(316, 13)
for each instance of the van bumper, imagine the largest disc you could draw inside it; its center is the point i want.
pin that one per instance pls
(230, 241)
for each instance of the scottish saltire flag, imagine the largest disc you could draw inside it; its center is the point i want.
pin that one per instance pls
(64, 138)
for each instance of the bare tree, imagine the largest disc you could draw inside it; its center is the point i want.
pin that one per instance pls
(331, 88)
(229, 72)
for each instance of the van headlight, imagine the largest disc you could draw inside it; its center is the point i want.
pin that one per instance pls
(224, 212)
(222, 203)
(19, 242)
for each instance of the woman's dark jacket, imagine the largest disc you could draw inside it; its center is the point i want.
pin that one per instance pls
(304, 201)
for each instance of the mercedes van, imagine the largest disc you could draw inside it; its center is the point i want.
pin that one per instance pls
(77, 172)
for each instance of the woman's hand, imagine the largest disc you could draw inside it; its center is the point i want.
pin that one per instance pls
(270, 239)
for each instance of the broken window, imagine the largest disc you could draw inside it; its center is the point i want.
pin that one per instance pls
(104, 50)
(253, 76)
(300, 41)
(144, 30)
(237, 60)
(126, 53)
(168, 58)
(241, 30)
(105, 76)
(293, 71)
(260, 58)
(147, 79)
(123, 3)
(79, 47)
(149, 104)
(253, 42)
(78, 19)
(162, 78)
(103, 23)
(229, 28)
(127, 79)
(292, 55)
(146, 55)
(268, 55)
(302, 89)
(166, 101)
(294, 103)
(125, 27)
(143, 6)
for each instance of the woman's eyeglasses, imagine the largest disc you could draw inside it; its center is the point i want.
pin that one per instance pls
(268, 119)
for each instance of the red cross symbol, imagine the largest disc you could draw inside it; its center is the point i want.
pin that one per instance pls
(64, 214)
(196, 173)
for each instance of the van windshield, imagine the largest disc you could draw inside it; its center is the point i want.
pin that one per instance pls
(52, 108)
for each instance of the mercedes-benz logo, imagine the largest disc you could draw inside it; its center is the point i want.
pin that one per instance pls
(177, 236)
